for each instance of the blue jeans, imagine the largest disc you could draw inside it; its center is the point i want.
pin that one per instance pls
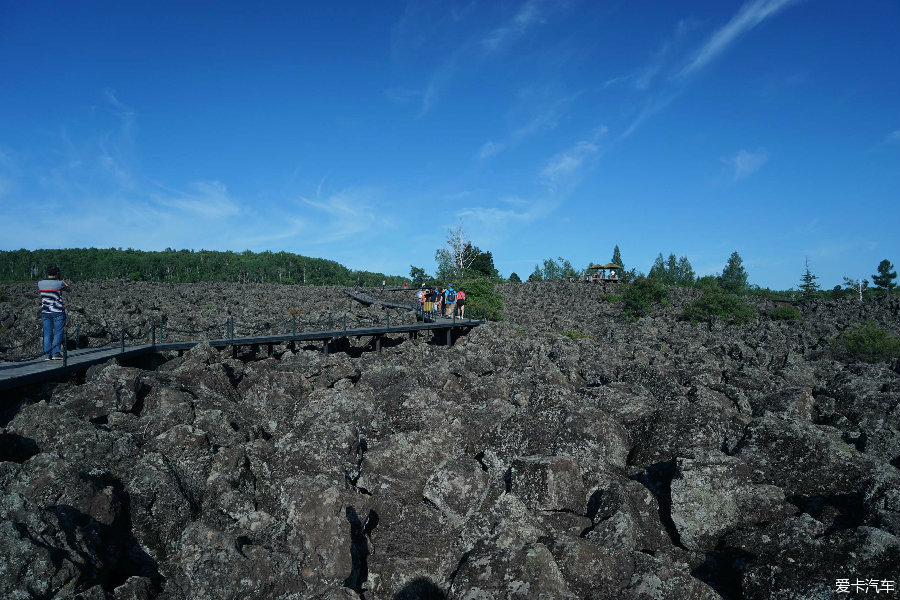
(54, 323)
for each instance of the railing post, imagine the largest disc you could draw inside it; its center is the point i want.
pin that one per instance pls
(330, 323)
(152, 334)
(283, 325)
(77, 336)
(294, 326)
(65, 348)
(345, 321)
(123, 339)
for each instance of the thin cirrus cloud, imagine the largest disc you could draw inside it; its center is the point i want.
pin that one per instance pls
(749, 16)
(535, 112)
(527, 16)
(489, 149)
(494, 42)
(512, 211)
(347, 214)
(746, 163)
(208, 199)
(563, 169)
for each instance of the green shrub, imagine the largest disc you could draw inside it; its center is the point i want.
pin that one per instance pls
(639, 297)
(3, 296)
(481, 297)
(867, 342)
(721, 305)
(786, 312)
(708, 283)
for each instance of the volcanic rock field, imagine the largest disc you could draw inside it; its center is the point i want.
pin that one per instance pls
(563, 453)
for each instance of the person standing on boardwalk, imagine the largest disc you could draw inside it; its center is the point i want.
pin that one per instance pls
(461, 303)
(449, 301)
(53, 312)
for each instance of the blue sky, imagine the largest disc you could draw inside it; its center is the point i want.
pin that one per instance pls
(363, 131)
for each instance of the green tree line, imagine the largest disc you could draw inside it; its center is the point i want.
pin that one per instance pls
(185, 266)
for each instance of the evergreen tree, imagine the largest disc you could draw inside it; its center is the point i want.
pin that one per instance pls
(658, 270)
(672, 270)
(617, 257)
(734, 277)
(685, 272)
(884, 279)
(808, 282)
(537, 275)
(483, 264)
(514, 278)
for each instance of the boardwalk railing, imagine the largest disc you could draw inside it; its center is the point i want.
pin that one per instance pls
(34, 368)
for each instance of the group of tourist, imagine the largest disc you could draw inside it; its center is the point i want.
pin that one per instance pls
(446, 302)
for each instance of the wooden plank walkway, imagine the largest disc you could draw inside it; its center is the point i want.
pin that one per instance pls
(14, 374)
(369, 300)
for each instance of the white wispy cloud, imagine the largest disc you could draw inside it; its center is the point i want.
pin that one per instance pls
(124, 113)
(408, 37)
(527, 16)
(566, 163)
(650, 108)
(750, 15)
(563, 168)
(893, 137)
(491, 224)
(489, 148)
(280, 230)
(207, 199)
(744, 163)
(536, 111)
(348, 213)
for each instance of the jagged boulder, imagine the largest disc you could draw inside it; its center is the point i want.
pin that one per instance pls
(713, 493)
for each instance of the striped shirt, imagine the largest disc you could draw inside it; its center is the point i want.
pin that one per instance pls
(51, 295)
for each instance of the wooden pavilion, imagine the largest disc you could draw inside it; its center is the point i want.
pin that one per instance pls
(603, 273)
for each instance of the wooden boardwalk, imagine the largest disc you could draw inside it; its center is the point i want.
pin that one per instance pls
(14, 374)
(369, 300)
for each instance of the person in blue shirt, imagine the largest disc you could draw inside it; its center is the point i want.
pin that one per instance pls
(449, 301)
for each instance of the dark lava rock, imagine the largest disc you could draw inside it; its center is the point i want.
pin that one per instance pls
(565, 453)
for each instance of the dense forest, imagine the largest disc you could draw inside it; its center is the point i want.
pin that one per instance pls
(185, 266)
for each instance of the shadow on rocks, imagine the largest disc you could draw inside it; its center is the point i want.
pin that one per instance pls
(16, 448)
(420, 588)
(658, 479)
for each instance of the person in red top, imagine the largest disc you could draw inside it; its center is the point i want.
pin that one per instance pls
(461, 303)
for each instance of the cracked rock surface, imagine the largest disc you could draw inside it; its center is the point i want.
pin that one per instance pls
(647, 460)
